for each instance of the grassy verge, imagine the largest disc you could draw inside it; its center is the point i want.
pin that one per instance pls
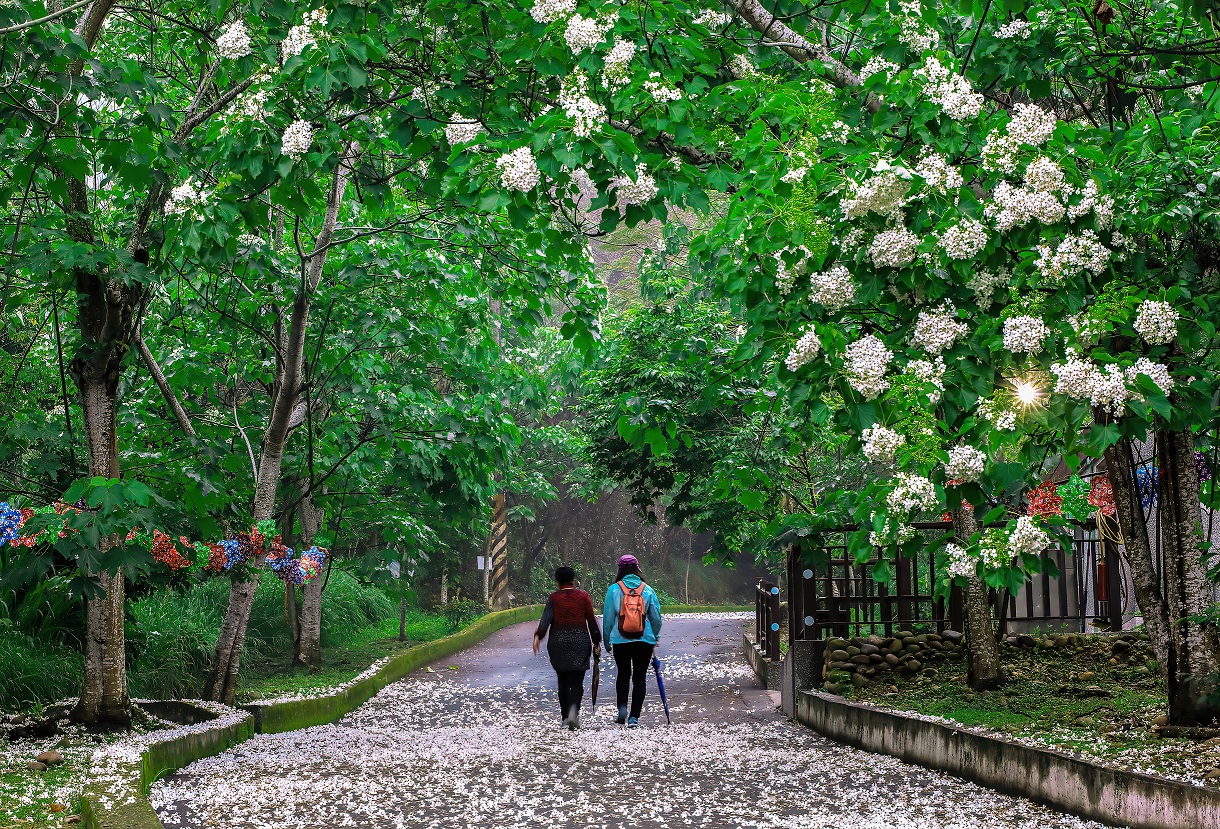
(345, 659)
(1075, 698)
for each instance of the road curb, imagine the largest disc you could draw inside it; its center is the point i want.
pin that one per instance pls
(116, 796)
(1064, 782)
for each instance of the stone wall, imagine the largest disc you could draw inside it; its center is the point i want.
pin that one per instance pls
(876, 658)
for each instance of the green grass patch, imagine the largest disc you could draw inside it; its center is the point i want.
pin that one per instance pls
(1075, 698)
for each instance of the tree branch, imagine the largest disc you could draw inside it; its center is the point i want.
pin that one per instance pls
(167, 391)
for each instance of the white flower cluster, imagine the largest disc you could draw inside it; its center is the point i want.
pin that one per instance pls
(993, 550)
(1000, 153)
(1156, 322)
(585, 33)
(965, 463)
(912, 492)
(1012, 206)
(234, 41)
(519, 170)
(1031, 125)
(1102, 386)
(1074, 254)
(302, 36)
(951, 91)
(832, 289)
(742, 67)
(836, 131)
(866, 361)
(251, 106)
(548, 11)
(785, 277)
(297, 138)
(929, 371)
(806, 348)
(934, 332)
(960, 562)
(1014, 29)
(964, 240)
(1027, 537)
(878, 66)
(914, 33)
(616, 67)
(640, 191)
(984, 283)
(712, 19)
(583, 182)
(883, 194)
(1025, 334)
(880, 443)
(997, 414)
(587, 115)
(894, 532)
(794, 175)
(1102, 207)
(184, 198)
(462, 130)
(660, 91)
(1044, 176)
(938, 173)
(893, 248)
(1154, 371)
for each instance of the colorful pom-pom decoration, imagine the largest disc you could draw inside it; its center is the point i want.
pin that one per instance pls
(1101, 496)
(10, 523)
(1203, 467)
(295, 570)
(1075, 494)
(1044, 501)
(165, 551)
(1145, 481)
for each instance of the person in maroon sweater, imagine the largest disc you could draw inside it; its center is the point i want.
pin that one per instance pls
(574, 635)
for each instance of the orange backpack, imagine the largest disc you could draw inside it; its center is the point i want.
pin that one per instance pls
(632, 611)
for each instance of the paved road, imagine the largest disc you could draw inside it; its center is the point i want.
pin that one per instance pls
(477, 744)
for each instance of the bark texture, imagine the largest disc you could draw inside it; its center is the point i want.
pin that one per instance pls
(982, 650)
(222, 679)
(1172, 590)
(309, 618)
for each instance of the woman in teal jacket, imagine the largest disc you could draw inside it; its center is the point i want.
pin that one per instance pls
(632, 655)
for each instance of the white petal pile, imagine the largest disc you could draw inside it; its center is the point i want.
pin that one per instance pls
(476, 748)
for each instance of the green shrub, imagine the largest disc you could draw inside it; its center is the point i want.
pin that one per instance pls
(462, 612)
(32, 670)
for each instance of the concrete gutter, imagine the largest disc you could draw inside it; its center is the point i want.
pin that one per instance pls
(1061, 781)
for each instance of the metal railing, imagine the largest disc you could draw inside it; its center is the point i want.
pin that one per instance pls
(832, 594)
(767, 619)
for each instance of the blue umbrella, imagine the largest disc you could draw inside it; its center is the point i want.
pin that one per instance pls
(656, 666)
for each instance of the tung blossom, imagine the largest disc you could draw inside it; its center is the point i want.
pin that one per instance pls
(893, 248)
(965, 463)
(1025, 334)
(297, 139)
(806, 348)
(234, 41)
(519, 170)
(879, 444)
(934, 332)
(1156, 322)
(866, 362)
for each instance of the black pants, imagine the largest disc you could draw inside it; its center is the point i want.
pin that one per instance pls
(632, 659)
(571, 690)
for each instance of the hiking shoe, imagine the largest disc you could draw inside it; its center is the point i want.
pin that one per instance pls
(632, 722)
(622, 715)
(573, 720)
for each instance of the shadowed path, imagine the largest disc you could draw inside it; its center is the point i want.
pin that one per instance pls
(479, 745)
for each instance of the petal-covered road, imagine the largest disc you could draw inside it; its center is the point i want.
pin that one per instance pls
(478, 744)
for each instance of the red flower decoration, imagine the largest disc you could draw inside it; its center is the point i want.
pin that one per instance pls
(1101, 495)
(1044, 500)
(164, 551)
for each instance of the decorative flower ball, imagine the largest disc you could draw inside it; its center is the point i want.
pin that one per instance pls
(10, 522)
(1075, 494)
(1145, 481)
(1203, 467)
(166, 552)
(1044, 501)
(1101, 495)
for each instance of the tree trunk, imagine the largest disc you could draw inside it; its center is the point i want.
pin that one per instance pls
(402, 618)
(982, 650)
(1176, 590)
(309, 631)
(105, 319)
(222, 679)
(445, 585)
